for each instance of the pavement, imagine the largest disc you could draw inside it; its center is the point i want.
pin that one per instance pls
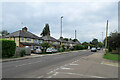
(34, 56)
(76, 64)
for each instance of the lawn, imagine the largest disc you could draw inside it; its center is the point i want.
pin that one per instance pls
(114, 57)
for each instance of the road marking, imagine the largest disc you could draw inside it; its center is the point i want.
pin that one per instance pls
(116, 65)
(73, 64)
(40, 77)
(83, 75)
(65, 68)
(27, 64)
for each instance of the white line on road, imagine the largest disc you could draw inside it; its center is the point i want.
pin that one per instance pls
(82, 75)
(27, 64)
(73, 64)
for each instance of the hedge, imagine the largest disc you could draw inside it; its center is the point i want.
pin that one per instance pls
(79, 47)
(8, 48)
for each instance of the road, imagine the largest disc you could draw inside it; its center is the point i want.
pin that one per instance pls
(37, 67)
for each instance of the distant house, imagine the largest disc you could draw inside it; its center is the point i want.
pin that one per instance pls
(55, 43)
(77, 42)
(64, 42)
(25, 38)
(71, 43)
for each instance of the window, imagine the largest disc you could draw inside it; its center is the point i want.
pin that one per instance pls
(41, 41)
(22, 39)
(28, 39)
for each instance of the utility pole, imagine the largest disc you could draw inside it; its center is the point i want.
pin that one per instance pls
(61, 33)
(61, 26)
(75, 34)
(106, 34)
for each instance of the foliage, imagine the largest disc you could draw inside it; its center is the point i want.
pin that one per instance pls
(8, 48)
(79, 47)
(46, 30)
(22, 53)
(85, 44)
(113, 41)
(4, 32)
(74, 40)
(99, 44)
(65, 39)
(61, 49)
(94, 41)
(45, 45)
(114, 57)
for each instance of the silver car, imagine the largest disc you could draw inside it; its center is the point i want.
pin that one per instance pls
(93, 49)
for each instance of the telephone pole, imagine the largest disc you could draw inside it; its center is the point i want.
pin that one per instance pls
(106, 34)
(75, 34)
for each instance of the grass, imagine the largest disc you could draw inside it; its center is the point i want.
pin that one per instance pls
(113, 57)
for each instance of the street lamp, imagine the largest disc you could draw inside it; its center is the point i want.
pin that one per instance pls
(61, 25)
(61, 33)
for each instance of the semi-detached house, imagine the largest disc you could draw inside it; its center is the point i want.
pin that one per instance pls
(25, 38)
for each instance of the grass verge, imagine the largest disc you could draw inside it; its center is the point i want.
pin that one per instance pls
(114, 57)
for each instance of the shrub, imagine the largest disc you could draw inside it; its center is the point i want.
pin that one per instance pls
(8, 48)
(22, 53)
(79, 47)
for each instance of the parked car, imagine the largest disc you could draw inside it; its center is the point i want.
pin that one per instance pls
(93, 49)
(98, 48)
(49, 50)
(38, 51)
(54, 50)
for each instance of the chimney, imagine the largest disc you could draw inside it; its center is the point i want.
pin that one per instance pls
(24, 29)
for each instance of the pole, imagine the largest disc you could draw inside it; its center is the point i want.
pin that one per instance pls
(75, 34)
(61, 33)
(106, 34)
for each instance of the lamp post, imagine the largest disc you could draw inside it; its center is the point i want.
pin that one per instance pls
(61, 32)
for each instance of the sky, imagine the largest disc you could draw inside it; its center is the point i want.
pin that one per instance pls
(88, 18)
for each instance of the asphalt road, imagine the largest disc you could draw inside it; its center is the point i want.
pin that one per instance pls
(35, 67)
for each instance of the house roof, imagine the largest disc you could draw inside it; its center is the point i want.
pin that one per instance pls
(22, 33)
(77, 42)
(64, 41)
(49, 38)
(70, 41)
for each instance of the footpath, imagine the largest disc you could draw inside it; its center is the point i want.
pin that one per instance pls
(93, 66)
(34, 56)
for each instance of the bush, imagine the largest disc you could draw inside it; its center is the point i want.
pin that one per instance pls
(61, 49)
(22, 53)
(79, 47)
(8, 48)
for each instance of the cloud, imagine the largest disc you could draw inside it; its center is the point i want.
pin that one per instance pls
(88, 18)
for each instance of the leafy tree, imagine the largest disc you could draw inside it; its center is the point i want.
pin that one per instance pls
(46, 30)
(66, 39)
(4, 33)
(45, 45)
(99, 44)
(114, 41)
(74, 40)
(94, 41)
(85, 44)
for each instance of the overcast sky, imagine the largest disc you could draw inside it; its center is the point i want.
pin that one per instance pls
(88, 18)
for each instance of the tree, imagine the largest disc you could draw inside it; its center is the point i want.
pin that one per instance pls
(85, 44)
(66, 39)
(45, 45)
(4, 33)
(94, 41)
(46, 30)
(113, 41)
(74, 40)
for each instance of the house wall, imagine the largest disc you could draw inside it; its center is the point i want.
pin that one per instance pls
(25, 40)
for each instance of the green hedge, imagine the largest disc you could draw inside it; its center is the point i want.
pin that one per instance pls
(8, 48)
(79, 47)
